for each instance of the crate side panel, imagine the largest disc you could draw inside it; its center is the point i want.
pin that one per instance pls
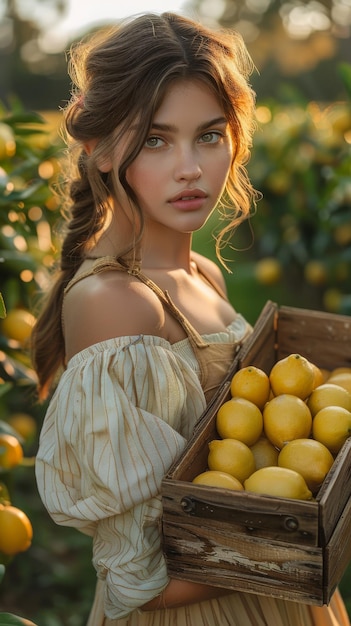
(247, 564)
(257, 516)
(323, 338)
(260, 348)
(338, 553)
(335, 493)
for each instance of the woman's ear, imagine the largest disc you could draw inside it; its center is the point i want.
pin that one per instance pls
(104, 163)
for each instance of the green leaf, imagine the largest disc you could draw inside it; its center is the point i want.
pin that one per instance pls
(8, 619)
(17, 261)
(22, 194)
(6, 429)
(24, 118)
(2, 307)
(2, 571)
(4, 497)
(4, 388)
(345, 73)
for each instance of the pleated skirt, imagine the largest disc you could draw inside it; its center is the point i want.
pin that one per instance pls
(236, 609)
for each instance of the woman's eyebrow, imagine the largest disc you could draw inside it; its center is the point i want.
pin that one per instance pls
(173, 129)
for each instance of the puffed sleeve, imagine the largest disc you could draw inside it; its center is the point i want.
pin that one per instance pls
(111, 432)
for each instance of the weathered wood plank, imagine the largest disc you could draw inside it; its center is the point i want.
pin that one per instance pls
(270, 518)
(243, 563)
(335, 493)
(324, 338)
(337, 553)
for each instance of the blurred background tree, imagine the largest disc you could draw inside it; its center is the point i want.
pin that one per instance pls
(296, 249)
(295, 45)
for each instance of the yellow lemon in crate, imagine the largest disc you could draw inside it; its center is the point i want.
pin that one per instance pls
(294, 375)
(308, 457)
(239, 419)
(286, 417)
(340, 370)
(319, 375)
(332, 426)
(231, 456)
(278, 481)
(265, 453)
(251, 383)
(214, 478)
(342, 380)
(328, 394)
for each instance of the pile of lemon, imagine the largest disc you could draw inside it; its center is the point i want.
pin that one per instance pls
(280, 432)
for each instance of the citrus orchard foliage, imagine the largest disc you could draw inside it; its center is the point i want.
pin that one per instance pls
(301, 163)
(27, 166)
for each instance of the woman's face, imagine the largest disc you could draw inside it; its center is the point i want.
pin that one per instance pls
(182, 169)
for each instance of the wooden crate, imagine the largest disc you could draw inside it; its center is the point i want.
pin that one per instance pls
(291, 549)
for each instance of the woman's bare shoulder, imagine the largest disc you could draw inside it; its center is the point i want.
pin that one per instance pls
(107, 305)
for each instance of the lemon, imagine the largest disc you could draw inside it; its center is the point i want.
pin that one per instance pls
(265, 453)
(315, 273)
(7, 141)
(319, 376)
(214, 478)
(18, 325)
(24, 424)
(340, 370)
(286, 417)
(16, 530)
(11, 451)
(268, 271)
(328, 394)
(332, 426)
(308, 457)
(251, 383)
(293, 375)
(239, 419)
(342, 380)
(279, 482)
(231, 456)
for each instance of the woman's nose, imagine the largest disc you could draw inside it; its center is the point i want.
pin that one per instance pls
(187, 166)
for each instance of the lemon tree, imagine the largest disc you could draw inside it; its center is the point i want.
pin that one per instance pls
(27, 211)
(28, 166)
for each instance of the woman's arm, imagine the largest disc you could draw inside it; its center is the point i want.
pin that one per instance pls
(181, 593)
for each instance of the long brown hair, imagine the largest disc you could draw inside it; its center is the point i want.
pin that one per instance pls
(120, 76)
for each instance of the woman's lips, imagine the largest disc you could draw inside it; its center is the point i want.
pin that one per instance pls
(189, 199)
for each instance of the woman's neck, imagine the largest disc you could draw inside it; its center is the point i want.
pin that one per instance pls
(157, 250)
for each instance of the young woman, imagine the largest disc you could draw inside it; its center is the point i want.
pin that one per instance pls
(138, 326)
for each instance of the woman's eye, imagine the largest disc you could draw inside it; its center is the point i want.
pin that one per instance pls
(154, 142)
(211, 137)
